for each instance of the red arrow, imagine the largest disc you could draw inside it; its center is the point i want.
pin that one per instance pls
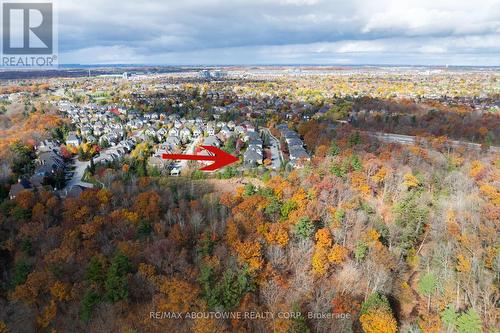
(220, 158)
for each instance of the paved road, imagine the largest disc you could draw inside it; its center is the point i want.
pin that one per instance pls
(189, 151)
(408, 139)
(76, 180)
(276, 154)
(81, 166)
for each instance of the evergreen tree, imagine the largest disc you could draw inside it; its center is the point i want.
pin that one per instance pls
(304, 228)
(469, 322)
(94, 271)
(116, 284)
(90, 300)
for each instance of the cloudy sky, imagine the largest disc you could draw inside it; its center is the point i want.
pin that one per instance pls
(428, 32)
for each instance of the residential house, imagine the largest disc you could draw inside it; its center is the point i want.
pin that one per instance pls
(72, 139)
(185, 134)
(253, 155)
(21, 185)
(212, 140)
(226, 132)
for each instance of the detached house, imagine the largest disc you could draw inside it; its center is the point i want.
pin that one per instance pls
(197, 131)
(72, 139)
(226, 132)
(210, 130)
(253, 155)
(162, 133)
(212, 140)
(185, 134)
(21, 185)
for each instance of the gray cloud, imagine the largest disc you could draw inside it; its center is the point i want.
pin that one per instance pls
(280, 31)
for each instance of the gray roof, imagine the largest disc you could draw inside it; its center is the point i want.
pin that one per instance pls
(297, 152)
(211, 140)
(21, 185)
(252, 155)
(294, 142)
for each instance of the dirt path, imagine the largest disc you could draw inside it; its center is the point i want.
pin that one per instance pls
(230, 185)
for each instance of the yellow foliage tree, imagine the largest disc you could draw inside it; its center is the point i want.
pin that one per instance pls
(147, 271)
(250, 253)
(47, 315)
(360, 183)
(337, 254)
(430, 323)
(411, 181)
(463, 264)
(3, 327)
(380, 175)
(275, 233)
(323, 238)
(320, 261)
(372, 235)
(476, 169)
(207, 325)
(491, 193)
(60, 291)
(181, 296)
(104, 196)
(490, 256)
(378, 321)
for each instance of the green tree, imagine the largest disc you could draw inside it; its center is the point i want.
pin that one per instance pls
(23, 161)
(469, 322)
(298, 323)
(360, 251)
(449, 316)
(21, 270)
(412, 216)
(232, 288)
(144, 229)
(287, 208)
(427, 286)
(354, 139)
(94, 271)
(228, 291)
(334, 149)
(356, 163)
(230, 145)
(273, 208)
(116, 284)
(27, 247)
(375, 301)
(339, 169)
(304, 228)
(90, 300)
(249, 189)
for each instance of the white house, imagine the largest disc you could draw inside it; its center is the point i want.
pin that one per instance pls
(72, 139)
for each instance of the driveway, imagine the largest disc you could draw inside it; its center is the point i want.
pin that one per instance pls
(76, 180)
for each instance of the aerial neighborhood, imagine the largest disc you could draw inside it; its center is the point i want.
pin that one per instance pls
(384, 178)
(111, 118)
(100, 134)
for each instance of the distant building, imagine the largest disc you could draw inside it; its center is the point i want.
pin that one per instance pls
(205, 74)
(218, 74)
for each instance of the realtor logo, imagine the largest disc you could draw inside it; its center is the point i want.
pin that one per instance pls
(27, 28)
(28, 34)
